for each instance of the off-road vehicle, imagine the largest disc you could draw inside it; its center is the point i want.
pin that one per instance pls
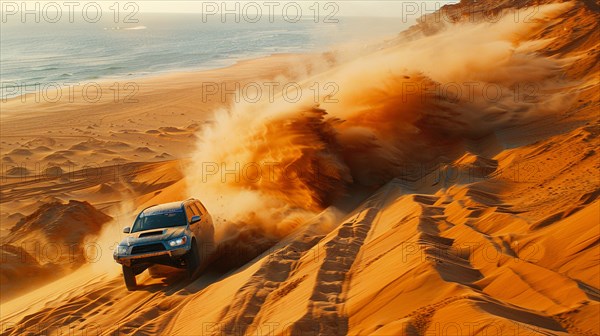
(177, 234)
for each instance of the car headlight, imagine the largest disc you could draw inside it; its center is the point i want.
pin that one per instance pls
(178, 241)
(121, 249)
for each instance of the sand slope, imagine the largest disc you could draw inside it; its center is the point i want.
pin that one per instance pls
(501, 239)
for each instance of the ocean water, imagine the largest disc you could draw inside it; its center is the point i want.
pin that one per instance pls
(65, 53)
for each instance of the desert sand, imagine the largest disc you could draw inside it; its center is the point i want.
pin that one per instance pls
(409, 211)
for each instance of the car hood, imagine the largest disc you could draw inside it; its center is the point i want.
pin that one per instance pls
(154, 235)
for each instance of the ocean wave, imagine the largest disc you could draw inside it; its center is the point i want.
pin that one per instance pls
(126, 28)
(136, 28)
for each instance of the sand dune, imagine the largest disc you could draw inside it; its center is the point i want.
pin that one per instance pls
(428, 216)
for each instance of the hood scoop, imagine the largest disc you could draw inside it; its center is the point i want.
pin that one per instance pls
(151, 233)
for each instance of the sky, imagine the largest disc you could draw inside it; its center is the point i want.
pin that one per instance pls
(342, 7)
(324, 8)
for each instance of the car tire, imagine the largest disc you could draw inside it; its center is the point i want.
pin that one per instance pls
(129, 277)
(192, 260)
(155, 272)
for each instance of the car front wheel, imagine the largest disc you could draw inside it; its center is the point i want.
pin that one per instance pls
(192, 260)
(129, 277)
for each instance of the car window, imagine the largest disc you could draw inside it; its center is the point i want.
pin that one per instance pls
(189, 212)
(159, 220)
(198, 209)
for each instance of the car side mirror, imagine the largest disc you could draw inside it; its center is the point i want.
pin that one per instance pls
(195, 219)
(126, 229)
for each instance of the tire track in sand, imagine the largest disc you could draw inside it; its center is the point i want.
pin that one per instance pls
(325, 314)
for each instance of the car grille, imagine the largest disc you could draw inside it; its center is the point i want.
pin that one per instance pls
(147, 248)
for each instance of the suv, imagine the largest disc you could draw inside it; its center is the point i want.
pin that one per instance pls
(166, 234)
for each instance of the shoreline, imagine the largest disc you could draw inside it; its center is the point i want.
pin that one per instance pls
(372, 44)
(167, 74)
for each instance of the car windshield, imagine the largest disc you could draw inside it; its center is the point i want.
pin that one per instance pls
(159, 220)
